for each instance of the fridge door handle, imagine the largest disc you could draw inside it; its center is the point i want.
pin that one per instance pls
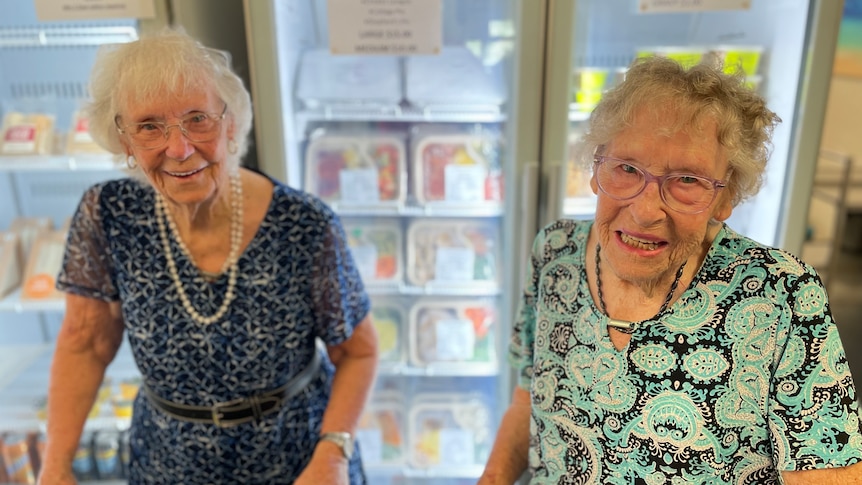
(529, 216)
(555, 191)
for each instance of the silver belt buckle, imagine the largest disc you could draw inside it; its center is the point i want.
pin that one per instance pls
(222, 407)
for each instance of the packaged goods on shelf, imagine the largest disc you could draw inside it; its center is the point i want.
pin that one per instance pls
(377, 249)
(453, 252)
(381, 430)
(390, 321)
(449, 431)
(27, 134)
(79, 141)
(458, 333)
(28, 230)
(43, 266)
(11, 267)
(453, 78)
(739, 57)
(686, 55)
(18, 457)
(456, 167)
(325, 79)
(357, 170)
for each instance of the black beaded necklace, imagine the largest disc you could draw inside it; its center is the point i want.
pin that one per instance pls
(622, 325)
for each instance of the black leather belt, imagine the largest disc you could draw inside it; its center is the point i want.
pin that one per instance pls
(242, 410)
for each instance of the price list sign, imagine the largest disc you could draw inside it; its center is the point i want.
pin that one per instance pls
(385, 27)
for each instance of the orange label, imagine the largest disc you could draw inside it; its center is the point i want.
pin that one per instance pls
(39, 286)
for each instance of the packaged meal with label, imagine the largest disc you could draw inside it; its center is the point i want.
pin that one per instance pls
(43, 265)
(449, 433)
(356, 171)
(27, 134)
(453, 252)
(447, 332)
(324, 79)
(390, 321)
(458, 169)
(381, 432)
(376, 248)
(79, 139)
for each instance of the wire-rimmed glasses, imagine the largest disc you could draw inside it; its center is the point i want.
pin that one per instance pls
(196, 127)
(682, 192)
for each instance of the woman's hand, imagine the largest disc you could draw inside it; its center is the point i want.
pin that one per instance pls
(56, 476)
(327, 465)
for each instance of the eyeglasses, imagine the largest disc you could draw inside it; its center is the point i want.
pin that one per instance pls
(682, 192)
(196, 127)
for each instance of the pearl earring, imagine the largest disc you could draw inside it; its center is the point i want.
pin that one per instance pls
(131, 162)
(232, 146)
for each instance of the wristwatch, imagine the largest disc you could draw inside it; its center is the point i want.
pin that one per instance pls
(342, 439)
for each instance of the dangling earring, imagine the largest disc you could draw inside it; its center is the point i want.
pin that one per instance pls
(131, 162)
(232, 147)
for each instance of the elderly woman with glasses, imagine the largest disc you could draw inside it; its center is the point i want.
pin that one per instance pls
(654, 344)
(241, 304)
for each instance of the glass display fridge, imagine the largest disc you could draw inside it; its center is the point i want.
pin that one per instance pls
(443, 166)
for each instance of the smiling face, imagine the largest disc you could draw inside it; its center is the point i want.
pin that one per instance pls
(643, 241)
(183, 171)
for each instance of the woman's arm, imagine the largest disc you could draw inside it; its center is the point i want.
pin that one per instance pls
(355, 367)
(508, 458)
(89, 338)
(846, 475)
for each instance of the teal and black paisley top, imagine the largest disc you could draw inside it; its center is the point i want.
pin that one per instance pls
(742, 377)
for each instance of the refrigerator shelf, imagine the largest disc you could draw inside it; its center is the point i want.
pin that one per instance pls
(461, 369)
(404, 113)
(578, 112)
(14, 303)
(47, 35)
(433, 209)
(59, 163)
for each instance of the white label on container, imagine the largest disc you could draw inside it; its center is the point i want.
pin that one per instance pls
(457, 447)
(20, 139)
(465, 183)
(664, 6)
(456, 339)
(93, 9)
(82, 131)
(359, 185)
(385, 27)
(371, 441)
(454, 264)
(365, 257)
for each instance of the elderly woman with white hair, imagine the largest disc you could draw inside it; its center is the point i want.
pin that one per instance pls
(242, 306)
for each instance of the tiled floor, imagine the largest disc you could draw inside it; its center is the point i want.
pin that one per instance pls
(845, 297)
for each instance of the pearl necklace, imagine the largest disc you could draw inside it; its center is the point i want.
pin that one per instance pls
(230, 264)
(622, 325)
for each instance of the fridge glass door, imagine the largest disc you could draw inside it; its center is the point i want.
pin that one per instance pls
(766, 39)
(414, 154)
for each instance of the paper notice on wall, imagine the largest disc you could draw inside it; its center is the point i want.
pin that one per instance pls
(385, 27)
(93, 9)
(667, 6)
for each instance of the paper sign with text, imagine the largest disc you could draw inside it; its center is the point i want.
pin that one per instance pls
(93, 9)
(385, 27)
(666, 6)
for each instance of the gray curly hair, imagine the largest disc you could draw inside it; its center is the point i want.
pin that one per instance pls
(745, 124)
(169, 61)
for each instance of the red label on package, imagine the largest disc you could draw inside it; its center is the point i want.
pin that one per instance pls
(20, 139)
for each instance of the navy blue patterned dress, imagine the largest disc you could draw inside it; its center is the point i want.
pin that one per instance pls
(296, 281)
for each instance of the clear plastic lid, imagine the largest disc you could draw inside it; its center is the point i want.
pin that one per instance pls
(390, 321)
(445, 333)
(453, 432)
(454, 77)
(376, 247)
(453, 252)
(356, 171)
(458, 169)
(381, 432)
(326, 79)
